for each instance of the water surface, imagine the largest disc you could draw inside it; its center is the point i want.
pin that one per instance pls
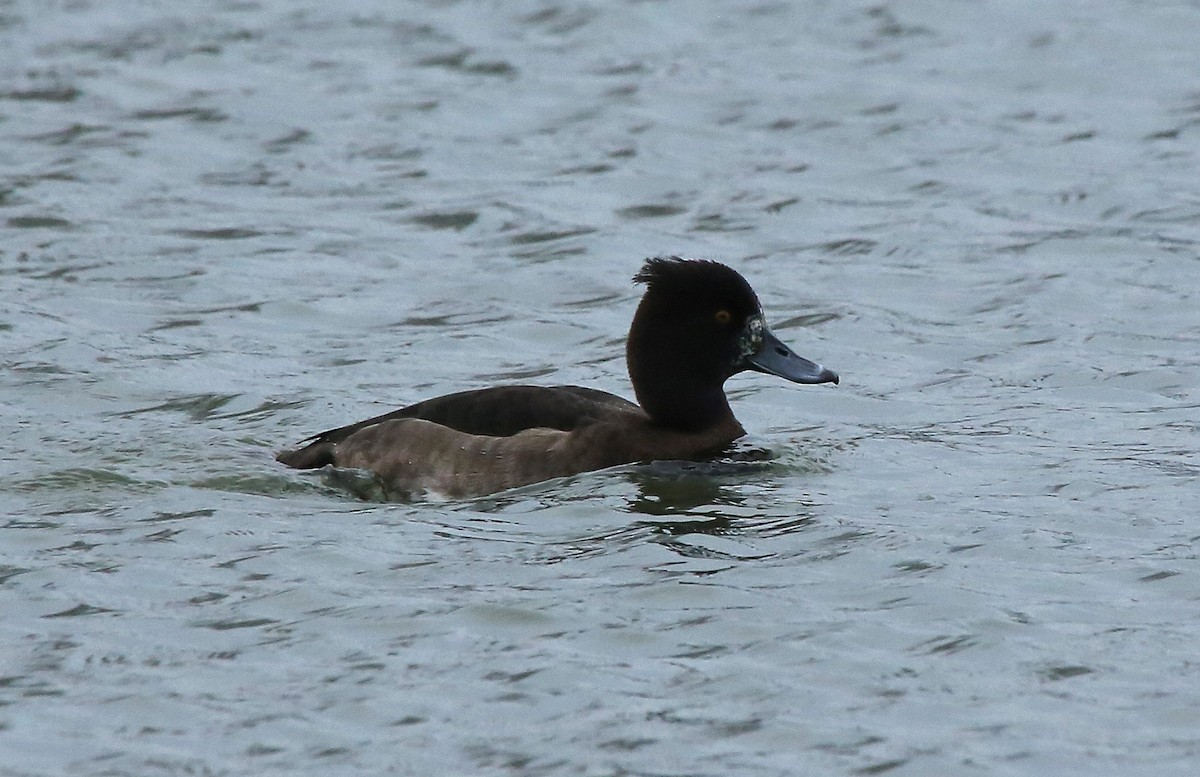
(230, 225)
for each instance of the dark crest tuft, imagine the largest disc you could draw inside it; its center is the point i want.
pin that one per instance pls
(696, 283)
(684, 272)
(657, 268)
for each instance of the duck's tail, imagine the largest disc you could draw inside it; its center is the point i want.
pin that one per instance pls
(312, 456)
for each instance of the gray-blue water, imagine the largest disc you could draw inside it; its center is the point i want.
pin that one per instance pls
(228, 225)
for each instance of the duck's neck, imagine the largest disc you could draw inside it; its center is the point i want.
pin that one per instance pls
(673, 391)
(684, 407)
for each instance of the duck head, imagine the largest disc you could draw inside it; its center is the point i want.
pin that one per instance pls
(698, 324)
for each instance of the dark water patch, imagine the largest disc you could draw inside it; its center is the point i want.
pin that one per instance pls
(716, 526)
(344, 361)
(64, 272)
(179, 323)
(780, 205)
(917, 567)
(886, 24)
(883, 109)
(388, 152)
(700, 490)
(284, 143)
(627, 744)
(1155, 577)
(256, 174)
(450, 220)
(40, 222)
(848, 247)
(70, 135)
(197, 407)
(806, 320)
(882, 767)
(1053, 674)
(198, 114)
(946, 644)
(650, 211)
(550, 252)
(31, 523)
(778, 526)
(164, 535)
(261, 411)
(235, 624)
(592, 169)
(930, 187)
(161, 517)
(241, 307)
(77, 545)
(526, 238)
(8, 572)
(690, 550)
(41, 368)
(463, 61)
(718, 222)
(207, 598)
(450, 319)
(596, 301)
(1167, 134)
(79, 479)
(513, 375)
(220, 233)
(79, 611)
(557, 20)
(263, 484)
(1176, 214)
(61, 93)
(782, 125)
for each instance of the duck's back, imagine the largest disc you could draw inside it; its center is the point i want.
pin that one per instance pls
(506, 410)
(506, 419)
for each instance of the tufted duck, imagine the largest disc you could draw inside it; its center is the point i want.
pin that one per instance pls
(698, 323)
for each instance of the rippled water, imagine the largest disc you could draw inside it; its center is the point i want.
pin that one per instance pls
(230, 225)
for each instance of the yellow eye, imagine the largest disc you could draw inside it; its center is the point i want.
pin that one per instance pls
(723, 316)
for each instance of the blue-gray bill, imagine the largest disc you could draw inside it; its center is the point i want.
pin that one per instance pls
(775, 358)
